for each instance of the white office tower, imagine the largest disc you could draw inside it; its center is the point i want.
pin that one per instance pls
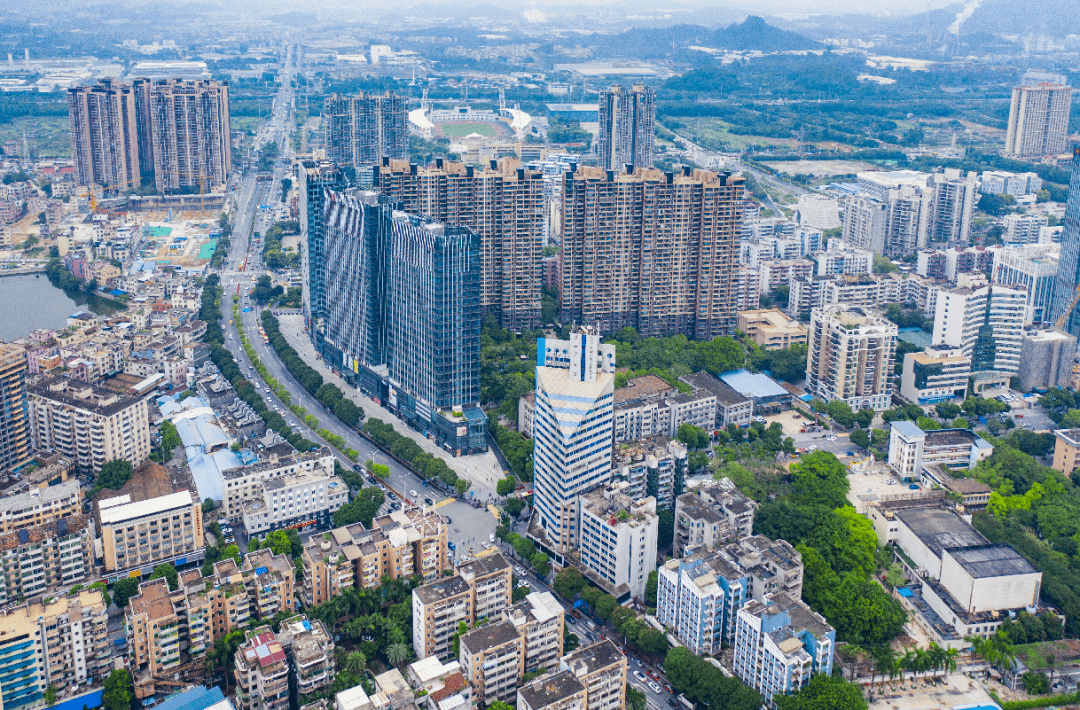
(1038, 120)
(572, 429)
(1033, 267)
(986, 321)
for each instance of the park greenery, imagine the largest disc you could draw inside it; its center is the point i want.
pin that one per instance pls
(839, 551)
(273, 255)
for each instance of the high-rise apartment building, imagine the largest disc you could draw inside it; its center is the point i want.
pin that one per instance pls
(851, 357)
(627, 121)
(651, 250)
(14, 425)
(88, 424)
(403, 307)
(955, 195)
(504, 204)
(190, 134)
(362, 130)
(572, 429)
(865, 223)
(1068, 275)
(985, 321)
(314, 179)
(105, 132)
(1038, 120)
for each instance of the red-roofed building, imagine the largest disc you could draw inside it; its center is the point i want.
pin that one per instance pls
(262, 672)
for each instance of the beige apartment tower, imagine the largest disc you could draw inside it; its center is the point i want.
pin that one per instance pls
(503, 203)
(190, 134)
(851, 357)
(14, 427)
(87, 424)
(1038, 120)
(651, 250)
(105, 135)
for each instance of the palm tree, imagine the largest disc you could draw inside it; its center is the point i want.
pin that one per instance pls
(977, 647)
(949, 661)
(397, 653)
(907, 661)
(355, 663)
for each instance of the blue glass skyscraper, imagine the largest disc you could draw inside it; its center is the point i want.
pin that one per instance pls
(1068, 275)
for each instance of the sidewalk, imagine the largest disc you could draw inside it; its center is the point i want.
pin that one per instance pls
(482, 469)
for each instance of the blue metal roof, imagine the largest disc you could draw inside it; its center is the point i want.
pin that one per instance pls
(195, 699)
(753, 384)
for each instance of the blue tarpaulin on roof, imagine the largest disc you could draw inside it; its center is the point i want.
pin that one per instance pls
(904, 592)
(260, 571)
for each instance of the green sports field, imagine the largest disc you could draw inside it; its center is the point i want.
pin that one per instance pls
(460, 130)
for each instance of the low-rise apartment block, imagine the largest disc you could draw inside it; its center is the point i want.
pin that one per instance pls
(731, 406)
(140, 535)
(262, 672)
(35, 560)
(493, 660)
(401, 544)
(88, 424)
(618, 539)
(601, 669)
(652, 465)
(648, 405)
(480, 589)
(1066, 450)
(311, 650)
(698, 595)
(539, 619)
(712, 515)
(62, 642)
(40, 506)
(562, 691)
(779, 644)
(269, 579)
(771, 329)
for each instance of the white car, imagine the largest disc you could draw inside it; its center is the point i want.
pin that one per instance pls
(655, 687)
(641, 676)
(831, 437)
(487, 545)
(520, 571)
(413, 494)
(292, 423)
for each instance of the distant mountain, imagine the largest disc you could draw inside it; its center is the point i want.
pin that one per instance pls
(754, 33)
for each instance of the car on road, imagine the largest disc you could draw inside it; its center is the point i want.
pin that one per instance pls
(358, 468)
(524, 585)
(390, 495)
(395, 506)
(413, 493)
(831, 437)
(491, 537)
(447, 519)
(570, 619)
(520, 570)
(640, 676)
(464, 558)
(230, 540)
(655, 687)
(292, 423)
(487, 545)
(372, 480)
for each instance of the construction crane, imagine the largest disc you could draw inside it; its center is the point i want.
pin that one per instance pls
(1059, 324)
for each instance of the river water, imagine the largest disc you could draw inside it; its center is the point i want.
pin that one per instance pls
(30, 302)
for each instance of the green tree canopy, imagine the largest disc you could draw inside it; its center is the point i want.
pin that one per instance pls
(824, 692)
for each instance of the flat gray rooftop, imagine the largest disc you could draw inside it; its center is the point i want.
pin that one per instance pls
(992, 561)
(939, 528)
